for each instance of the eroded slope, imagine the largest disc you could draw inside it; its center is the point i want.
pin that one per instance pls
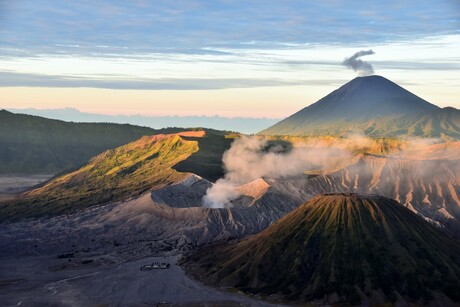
(339, 248)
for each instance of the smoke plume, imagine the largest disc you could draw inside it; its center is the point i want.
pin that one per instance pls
(253, 157)
(419, 173)
(354, 62)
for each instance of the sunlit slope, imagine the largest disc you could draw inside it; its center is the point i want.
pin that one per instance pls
(343, 246)
(114, 175)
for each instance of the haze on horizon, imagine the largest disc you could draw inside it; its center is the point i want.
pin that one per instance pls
(230, 58)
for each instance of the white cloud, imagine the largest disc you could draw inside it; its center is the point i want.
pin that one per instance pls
(419, 61)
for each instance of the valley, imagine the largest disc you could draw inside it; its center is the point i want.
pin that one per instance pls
(91, 284)
(13, 184)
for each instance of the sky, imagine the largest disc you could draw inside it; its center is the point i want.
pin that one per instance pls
(223, 57)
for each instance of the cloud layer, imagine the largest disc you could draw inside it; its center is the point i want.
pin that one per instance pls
(214, 45)
(184, 24)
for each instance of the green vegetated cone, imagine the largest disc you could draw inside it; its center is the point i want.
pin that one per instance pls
(340, 248)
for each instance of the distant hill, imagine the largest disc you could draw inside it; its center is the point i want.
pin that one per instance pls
(343, 249)
(148, 163)
(374, 106)
(241, 124)
(32, 144)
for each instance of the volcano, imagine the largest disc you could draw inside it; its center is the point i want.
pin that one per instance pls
(372, 105)
(340, 248)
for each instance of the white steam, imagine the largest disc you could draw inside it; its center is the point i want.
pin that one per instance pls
(250, 158)
(383, 166)
(354, 62)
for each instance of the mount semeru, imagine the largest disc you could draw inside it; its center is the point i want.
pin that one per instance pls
(375, 106)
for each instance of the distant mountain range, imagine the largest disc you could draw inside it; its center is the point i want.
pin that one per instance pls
(32, 144)
(373, 106)
(240, 124)
(340, 249)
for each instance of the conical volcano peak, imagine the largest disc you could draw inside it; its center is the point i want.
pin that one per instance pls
(376, 81)
(379, 89)
(367, 97)
(356, 106)
(371, 77)
(338, 249)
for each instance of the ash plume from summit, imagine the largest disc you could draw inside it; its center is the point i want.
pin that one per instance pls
(361, 67)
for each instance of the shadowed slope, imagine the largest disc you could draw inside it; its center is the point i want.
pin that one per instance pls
(207, 162)
(374, 106)
(347, 246)
(32, 144)
(366, 97)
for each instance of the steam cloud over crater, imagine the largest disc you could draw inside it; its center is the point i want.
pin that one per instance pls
(254, 157)
(354, 62)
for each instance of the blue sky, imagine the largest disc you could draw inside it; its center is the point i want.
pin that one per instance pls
(289, 49)
(189, 25)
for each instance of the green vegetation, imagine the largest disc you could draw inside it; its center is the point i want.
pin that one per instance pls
(343, 244)
(32, 144)
(122, 173)
(114, 175)
(444, 124)
(375, 146)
